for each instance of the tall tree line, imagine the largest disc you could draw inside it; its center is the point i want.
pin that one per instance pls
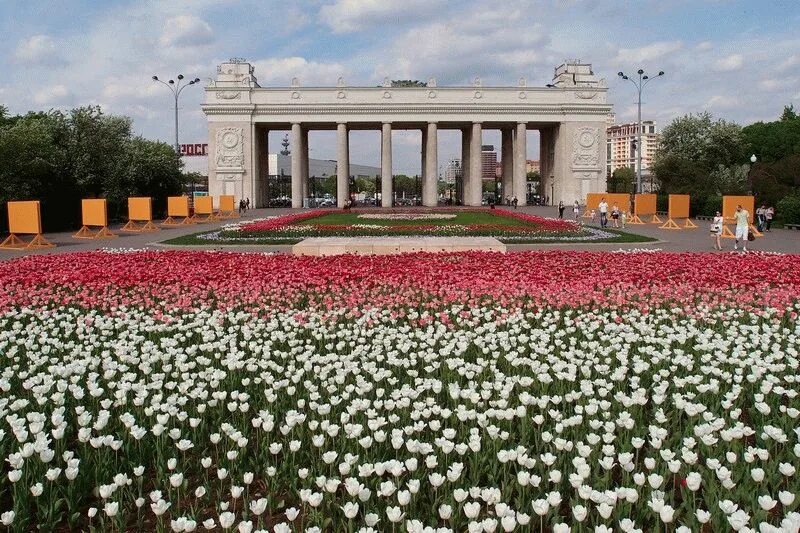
(61, 157)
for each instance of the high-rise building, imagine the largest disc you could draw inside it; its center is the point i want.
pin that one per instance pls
(452, 170)
(488, 162)
(621, 142)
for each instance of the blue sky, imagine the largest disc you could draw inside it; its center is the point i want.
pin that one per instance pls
(738, 59)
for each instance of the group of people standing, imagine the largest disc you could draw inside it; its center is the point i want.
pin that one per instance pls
(616, 214)
(764, 216)
(244, 205)
(512, 200)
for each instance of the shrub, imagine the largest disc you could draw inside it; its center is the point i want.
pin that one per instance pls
(788, 210)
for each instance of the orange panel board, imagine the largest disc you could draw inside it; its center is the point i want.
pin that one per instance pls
(178, 206)
(24, 217)
(645, 204)
(93, 212)
(622, 200)
(203, 205)
(226, 203)
(140, 208)
(678, 206)
(729, 204)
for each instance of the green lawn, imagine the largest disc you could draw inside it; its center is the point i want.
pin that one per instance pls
(450, 227)
(461, 218)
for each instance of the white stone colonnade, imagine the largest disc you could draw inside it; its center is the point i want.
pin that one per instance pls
(570, 116)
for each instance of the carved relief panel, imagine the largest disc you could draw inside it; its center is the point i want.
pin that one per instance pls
(230, 148)
(585, 147)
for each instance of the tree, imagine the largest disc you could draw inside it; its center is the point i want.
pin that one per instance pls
(701, 157)
(408, 83)
(772, 141)
(621, 180)
(776, 173)
(59, 158)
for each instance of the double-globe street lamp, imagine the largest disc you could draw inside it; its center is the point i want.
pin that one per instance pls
(644, 79)
(177, 88)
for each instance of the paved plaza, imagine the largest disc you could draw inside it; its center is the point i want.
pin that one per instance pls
(694, 240)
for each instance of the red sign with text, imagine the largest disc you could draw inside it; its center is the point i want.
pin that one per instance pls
(194, 149)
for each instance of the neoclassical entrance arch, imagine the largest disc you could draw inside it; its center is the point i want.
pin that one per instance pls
(570, 115)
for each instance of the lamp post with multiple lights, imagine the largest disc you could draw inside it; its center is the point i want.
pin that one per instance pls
(644, 79)
(177, 88)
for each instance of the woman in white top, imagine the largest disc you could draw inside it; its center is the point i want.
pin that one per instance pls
(716, 230)
(576, 209)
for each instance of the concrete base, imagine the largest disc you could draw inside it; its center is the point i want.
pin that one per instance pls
(324, 246)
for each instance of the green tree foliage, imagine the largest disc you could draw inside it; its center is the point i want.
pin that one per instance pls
(59, 158)
(702, 157)
(788, 210)
(776, 174)
(408, 83)
(772, 141)
(621, 180)
(407, 185)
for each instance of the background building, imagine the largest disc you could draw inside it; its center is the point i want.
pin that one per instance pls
(488, 162)
(281, 165)
(452, 170)
(621, 142)
(531, 165)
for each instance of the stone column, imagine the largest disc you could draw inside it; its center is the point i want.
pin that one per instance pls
(430, 192)
(465, 144)
(386, 165)
(342, 165)
(260, 166)
(520, 159)
(507, 160)
(423, 157)
(305, 163)
(475, 167)
(297, 165)
(544, 163)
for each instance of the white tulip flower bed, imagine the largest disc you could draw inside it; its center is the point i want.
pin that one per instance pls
(462, 418)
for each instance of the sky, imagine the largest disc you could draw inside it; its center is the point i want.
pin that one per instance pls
(740, 60)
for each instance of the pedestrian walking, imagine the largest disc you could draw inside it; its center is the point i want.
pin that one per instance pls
(594, 215)
(514, 201)
(247, 204)
(241, 206)
(742, 218)
(716, 230)
(623, 217)
(761, 217)
(561, 209)
(769, 214)
(603, 208)
(576, 210)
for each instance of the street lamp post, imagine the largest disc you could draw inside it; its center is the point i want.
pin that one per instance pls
(644, 79)
(177, 89)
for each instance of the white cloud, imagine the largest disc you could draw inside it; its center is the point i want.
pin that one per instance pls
(281, 70)
(729, 63)
(704, 46)
(186, 30)
(52, 94)
(344, 16)
(771, 84)
(789, 63)
(37, 49)
(720, 101)
(650, 52)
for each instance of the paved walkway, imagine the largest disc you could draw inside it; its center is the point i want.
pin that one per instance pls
(779, 240)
